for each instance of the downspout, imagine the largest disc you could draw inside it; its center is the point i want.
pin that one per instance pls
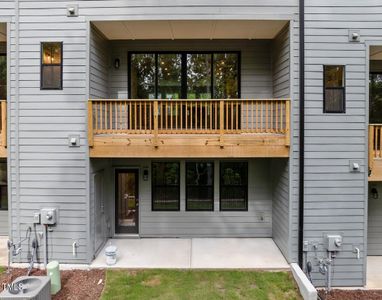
(302, 132)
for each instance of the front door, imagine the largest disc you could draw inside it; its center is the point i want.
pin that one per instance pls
(127, 201)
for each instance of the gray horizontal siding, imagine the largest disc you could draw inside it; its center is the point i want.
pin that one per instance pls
(4, 225)
(281, 205)
(256, 222)
(374, 233)
(42, 120)
(256, 71)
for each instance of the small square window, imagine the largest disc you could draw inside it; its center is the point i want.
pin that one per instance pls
(51, 66)
(334, 89)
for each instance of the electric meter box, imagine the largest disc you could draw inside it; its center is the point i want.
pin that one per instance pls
(333, 242)
(48, 216)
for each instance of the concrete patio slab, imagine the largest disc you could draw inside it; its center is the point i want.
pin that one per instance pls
(236, 253)
(3, 251)
(148, 253)
(374, 272)
(196, 253)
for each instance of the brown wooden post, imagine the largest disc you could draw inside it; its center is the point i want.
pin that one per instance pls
(371, 147)
(221, 122)
(156, 123)
(287, 123)
(90, 124)
(4, 123)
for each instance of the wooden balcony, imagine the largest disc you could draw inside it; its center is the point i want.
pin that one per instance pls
(3, 129)
(189, 128)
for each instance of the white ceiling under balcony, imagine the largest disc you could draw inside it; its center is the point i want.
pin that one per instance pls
(211, 29)
(3, 32)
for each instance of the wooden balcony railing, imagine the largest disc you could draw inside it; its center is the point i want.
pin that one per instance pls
(375, 144)
(3, 125)
(189, 117)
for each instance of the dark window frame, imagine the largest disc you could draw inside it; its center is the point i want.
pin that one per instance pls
(184, 69)
(221, 184)
(372, 73)
(42, 65)
(6, 80)
(6, 188)
(343, 88)
(152, 186)
(212, 186)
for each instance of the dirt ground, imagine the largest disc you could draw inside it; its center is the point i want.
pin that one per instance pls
(351, 295)
(75, 285)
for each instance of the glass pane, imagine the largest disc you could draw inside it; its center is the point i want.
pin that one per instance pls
(169, 76)
(334, 100)
(165, 186)
(234, 173)
(3, 77)
(226, 76)
(200, 178)
(142, 76)
(127, 200)
(334, 76)
(233, 185)
(375, 107)
(199, 76)
(51, 53)
(51, 77)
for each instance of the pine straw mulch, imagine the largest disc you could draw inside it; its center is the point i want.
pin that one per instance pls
(75, 284)
(351, 295)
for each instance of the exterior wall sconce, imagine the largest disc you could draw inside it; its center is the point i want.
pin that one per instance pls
(374, 193)
(72, 10)
(117, 63)
(145, 174)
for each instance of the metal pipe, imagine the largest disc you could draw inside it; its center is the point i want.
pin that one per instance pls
(45, 245)
(302, 134)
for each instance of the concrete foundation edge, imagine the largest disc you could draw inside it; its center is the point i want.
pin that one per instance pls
(307, 290)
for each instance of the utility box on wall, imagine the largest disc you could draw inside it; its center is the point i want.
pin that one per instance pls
(48, 216)
(333, 242)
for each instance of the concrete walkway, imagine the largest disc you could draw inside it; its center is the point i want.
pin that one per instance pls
(196, 253)
(374, 272)
(3, 251)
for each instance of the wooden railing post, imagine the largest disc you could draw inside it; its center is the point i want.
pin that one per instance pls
(371, 147)
(156, 111)
(221, 123)
(4, 123)
(287, 122)
(90, 124)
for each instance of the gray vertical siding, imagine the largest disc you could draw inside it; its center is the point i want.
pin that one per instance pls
(281, 64)
(99, 65)
(256, 71)
(280, 205)
(47, 172)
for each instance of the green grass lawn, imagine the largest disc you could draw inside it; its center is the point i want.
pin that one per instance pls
(2, 269)
(200, 285)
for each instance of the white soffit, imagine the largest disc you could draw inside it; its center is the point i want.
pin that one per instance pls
(376, 53)
(204, 29)
(3, 32)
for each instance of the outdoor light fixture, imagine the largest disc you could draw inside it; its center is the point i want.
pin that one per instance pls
(374, 193)
(117, 63)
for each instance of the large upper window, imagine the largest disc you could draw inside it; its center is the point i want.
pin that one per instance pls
(51, 65)
(200, 186)
(233, 186)
(3, 76)
(165, 186)
(184, 75)
(334, 89)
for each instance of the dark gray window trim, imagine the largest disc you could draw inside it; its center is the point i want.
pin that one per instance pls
(343, 88)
